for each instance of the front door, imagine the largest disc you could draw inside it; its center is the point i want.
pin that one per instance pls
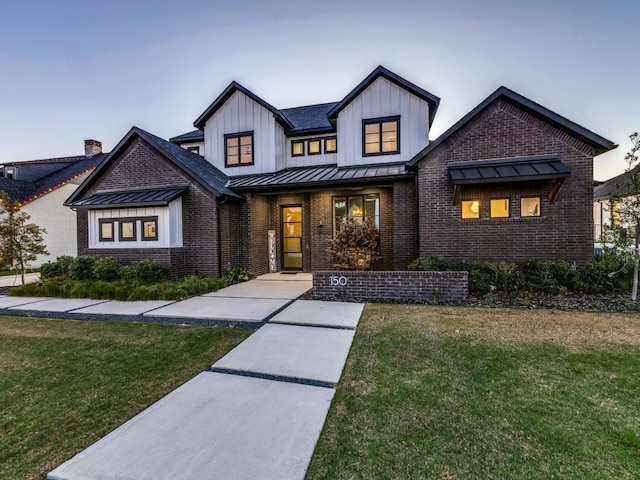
(292, 238)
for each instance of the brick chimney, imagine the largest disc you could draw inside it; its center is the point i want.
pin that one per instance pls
(92, 147)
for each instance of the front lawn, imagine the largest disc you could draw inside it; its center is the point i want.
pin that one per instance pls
(64, 384)
(464, 393)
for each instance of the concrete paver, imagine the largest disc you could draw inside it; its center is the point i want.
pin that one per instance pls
(116, 307)
(308, 353)
(264, 289)
(221, 308)
(321, 314)
(58, 304)
(7, 302)
(214, 426)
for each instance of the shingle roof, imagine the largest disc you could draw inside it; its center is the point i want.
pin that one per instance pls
(618, 185)
(310, 119)
(517, 169)
(193, 136)
(148, 197)
(319, 176)
(600, 144)
(195, 166)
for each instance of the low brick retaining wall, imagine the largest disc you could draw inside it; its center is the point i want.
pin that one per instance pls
(393, 285)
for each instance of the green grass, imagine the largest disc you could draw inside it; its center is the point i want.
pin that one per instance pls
(64, 384)
(461, 393)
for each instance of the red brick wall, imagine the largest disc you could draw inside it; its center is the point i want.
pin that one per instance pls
(563, 232)
(141, 166)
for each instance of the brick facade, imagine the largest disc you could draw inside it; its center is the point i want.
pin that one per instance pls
(562, 232)
(392, 286)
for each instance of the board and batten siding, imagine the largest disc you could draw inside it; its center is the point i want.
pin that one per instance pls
(169, 226)
(242, 114)
(382, 99)
(311, 160)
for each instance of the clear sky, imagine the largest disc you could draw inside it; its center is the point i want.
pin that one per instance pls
(77, 69)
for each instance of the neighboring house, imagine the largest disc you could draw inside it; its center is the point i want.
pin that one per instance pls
(510, 181)
(604, 212)
(42, 186)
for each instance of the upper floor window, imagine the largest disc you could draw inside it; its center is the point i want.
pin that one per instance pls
(238, 149)
(195, 149)
(313, 147)
(297, 148)
(330, 145)
(381, 136)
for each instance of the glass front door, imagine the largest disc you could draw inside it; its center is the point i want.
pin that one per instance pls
(292, 238)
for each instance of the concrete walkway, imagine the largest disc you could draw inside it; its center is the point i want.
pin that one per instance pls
(257, 413)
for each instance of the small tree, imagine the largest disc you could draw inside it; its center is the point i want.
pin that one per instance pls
(20, 241)
(355, 245)
(624, 233)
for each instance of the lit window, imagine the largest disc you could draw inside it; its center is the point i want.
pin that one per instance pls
(500, 208)
(471, 209)
(106, 231)
(330, 145)
(239, 149)
(297, 148)
(530, 207)
(357, 208)
(150, 229)
(127, 231)
(381, 136)
(313, 147)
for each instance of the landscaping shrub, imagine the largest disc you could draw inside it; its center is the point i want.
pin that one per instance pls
(107, 269)
(82, 268)
(429, 264)
(355, 245)
(61, 267)
(149, 271)
(237, 275)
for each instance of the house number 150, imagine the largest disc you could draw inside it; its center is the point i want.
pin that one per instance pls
(338, 281)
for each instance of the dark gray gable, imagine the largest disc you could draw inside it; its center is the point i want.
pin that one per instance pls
(600, 144)
(193, 136)
(380, 71)
(310, 119)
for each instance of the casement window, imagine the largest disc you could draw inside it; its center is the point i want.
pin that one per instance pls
(149, 229)
(381, 136)
(195, 149)
(238, 149)
(530, 207)
(500, 208)
(313, 147)
(127, 230)
(106, 231)
(330, 145)
(470, 209)
(356, 207)
(297, 148)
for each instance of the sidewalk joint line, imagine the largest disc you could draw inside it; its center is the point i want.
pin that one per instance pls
(276, 378)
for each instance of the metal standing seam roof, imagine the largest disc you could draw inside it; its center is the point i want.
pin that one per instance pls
(518, 169)
(307, 176)
(132, 198)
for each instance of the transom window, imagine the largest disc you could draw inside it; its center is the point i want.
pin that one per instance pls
(530, 207)
(381, 136)
(313, 147)
(239, 149)
(297, 148)
(356, 207)
(500, 208)
(330, 145)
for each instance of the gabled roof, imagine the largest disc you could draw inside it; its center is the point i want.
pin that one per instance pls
(226, 94)
(309, 120)
(194, 136)
(193, 165)
(516, 169)
(618, 185)
(380, 71)
(145, 197)
(600, 144)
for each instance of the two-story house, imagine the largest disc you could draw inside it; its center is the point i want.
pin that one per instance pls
(266, 188)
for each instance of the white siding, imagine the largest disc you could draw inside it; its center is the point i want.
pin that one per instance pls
(311, 160)
(383, 99)
(59, 221)
(200, 146)
(241, 114)
(169, 226)
(281, 143)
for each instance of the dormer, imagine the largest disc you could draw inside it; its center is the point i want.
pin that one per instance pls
(243, 133)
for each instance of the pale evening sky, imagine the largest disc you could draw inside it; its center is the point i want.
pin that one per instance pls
(78, 69)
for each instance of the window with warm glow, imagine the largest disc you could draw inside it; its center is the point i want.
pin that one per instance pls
(127, 231)
(313, 147)
(330, 145)
(239, 149)
(530, 207)
(356, 207)
(471, 209)
(150, 229)
(381, 136)
(106, 231)
(297, 148)
(500, 208)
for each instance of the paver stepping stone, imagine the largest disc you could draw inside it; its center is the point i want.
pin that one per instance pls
(320, 313)
(116, 307)
(264, 289)
(58, 304)
(7, 302)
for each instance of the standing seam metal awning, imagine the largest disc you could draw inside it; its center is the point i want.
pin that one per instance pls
(132, 198)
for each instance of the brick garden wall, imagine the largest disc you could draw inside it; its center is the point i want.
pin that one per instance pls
(564, 231)
(396, 285)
